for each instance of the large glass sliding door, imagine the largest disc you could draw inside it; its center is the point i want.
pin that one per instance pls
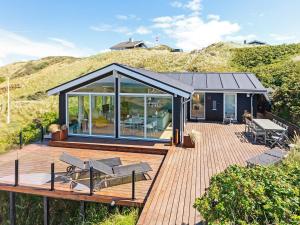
(132, 112)
(103, 115)
(198, 106)
(159, 117)
(230, 106)
(78, 114)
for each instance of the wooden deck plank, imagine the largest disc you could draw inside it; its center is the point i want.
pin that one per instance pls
(36, 158)
(218, 146)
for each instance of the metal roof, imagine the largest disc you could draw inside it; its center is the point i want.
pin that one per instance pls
(182, 83)
(236, 82)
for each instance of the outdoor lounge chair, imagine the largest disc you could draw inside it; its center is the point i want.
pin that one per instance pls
(269, 157)
(77, 167)
(114, 175)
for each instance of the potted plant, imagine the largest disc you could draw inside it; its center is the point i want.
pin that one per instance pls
(189, 140)
(55, 131)
(64, 132)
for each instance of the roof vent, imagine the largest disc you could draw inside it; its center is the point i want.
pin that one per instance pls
(130, 40)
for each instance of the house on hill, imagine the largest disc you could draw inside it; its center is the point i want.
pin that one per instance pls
(130, 44)
(255, 42)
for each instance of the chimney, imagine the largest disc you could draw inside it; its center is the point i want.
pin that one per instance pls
(245, 42)
(130, 39)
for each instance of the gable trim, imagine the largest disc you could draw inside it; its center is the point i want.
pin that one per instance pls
(110, 68)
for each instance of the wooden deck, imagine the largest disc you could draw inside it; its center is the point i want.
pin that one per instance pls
(186, 172)
(183, 175)
(109, 144)
(35, 159)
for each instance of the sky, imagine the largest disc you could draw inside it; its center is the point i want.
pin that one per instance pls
(33, 29)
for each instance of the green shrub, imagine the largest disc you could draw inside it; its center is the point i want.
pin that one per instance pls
(247, 58)
(260, 195)
(29, 211)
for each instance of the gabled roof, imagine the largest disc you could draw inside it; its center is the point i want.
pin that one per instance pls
(127, 44)
(154, 79)
(235, 82)
(182, 84)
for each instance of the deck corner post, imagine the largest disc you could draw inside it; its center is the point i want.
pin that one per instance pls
(16, 172)
(91, 180)
(46, 210)
(133, 185)
(12, 208)
(82, 210)
(21, 139)
(52, 177)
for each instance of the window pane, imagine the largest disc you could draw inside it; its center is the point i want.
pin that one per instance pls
(78, 114)
(230, 106)
(132, 86)
(132, 116)
(159, 117)
(197, 110)
(105, 85)
(103, 115)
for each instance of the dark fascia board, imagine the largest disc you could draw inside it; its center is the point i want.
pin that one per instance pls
(263, 91)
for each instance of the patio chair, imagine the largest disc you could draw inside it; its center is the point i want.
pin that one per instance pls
(115, 175)
(248, 125)
(280, 139)
(258, 132)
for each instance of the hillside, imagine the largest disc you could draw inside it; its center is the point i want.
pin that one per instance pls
(275, 65)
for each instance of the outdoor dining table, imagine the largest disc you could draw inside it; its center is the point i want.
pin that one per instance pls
(268, 125)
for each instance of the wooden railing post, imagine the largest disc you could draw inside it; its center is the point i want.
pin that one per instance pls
(133, 185)
(82, 210)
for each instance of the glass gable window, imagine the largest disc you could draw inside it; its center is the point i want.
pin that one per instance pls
(105, 85)
(198, 107)
(78, 114)
(132, 86)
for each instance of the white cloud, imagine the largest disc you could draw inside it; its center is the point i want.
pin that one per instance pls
(176, 4)
(121, 17)
(191, 31)
(15, 47)
(283, 37)
(63, 42)
(213, 17)
(241, 38)
(143, 30)
(193, 5)
(127, 17)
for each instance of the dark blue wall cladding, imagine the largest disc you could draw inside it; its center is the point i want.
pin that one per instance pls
(177, 114)
(243, 103)
(62, 108)
(210, 113)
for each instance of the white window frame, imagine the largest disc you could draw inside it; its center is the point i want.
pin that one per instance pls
(191, 104)
(224, 104)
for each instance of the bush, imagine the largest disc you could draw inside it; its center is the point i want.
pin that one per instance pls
(259, 195)
(29, 210)
(32, 132)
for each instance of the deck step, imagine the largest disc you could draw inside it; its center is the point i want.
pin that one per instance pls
(108, 147)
